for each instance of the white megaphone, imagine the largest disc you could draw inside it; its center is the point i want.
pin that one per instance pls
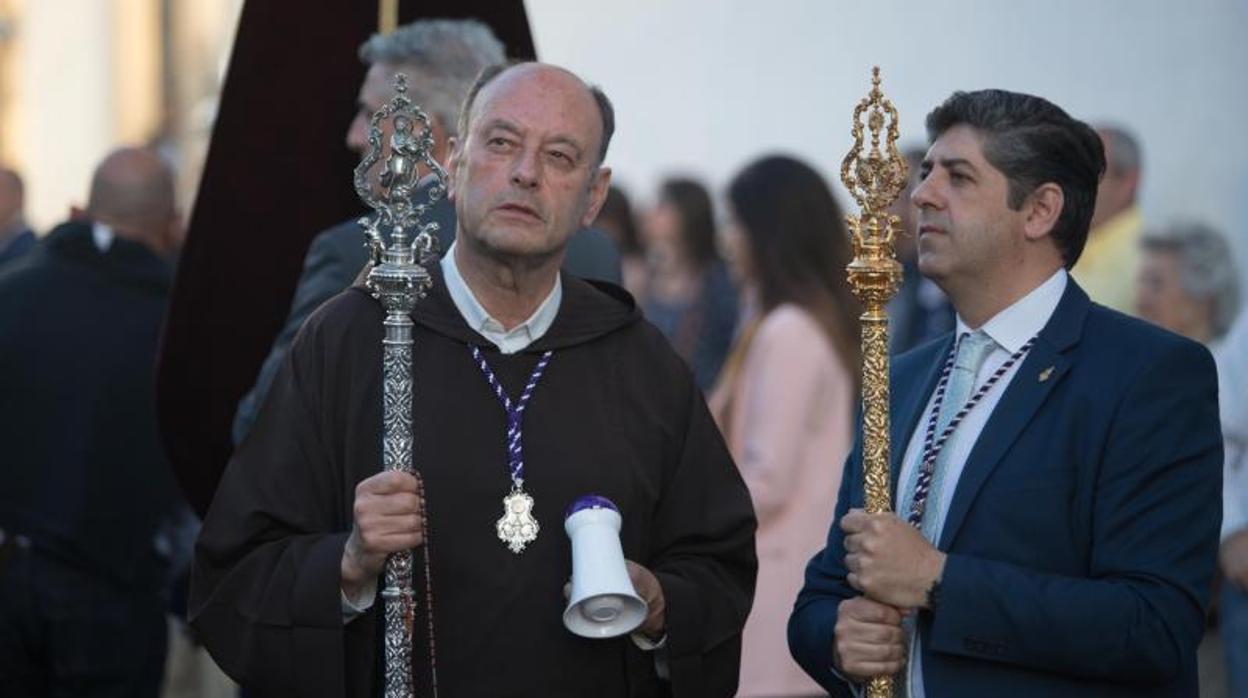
(603, 602)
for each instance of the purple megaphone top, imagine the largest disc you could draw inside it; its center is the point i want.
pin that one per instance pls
(590, 501)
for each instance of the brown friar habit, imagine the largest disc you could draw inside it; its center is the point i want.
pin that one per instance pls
(616, 413)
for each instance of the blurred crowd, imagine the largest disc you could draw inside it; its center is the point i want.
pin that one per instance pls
(747, 283)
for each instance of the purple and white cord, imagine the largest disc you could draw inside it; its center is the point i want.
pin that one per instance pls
(515, 412)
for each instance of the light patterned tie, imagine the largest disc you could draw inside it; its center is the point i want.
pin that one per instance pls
(972, 350)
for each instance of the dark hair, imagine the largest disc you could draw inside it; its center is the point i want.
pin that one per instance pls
(697, 218)
(1033, 142)
(605, 110)
(617, 220)
(799, 246)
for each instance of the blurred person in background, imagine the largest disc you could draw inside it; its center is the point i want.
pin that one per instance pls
(1107, 267)
(785, 398)
(16, 238)
(1232, 358)
(440, 58)
(690, 296)
(920, 311)
(87, 499)
(1187, 281)
(616, 219)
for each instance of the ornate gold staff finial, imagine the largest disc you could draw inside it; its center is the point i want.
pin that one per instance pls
(875, 179)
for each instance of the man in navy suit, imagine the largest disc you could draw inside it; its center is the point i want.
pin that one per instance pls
(1056, 464)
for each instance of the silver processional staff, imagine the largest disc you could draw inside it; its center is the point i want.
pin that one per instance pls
(398, 279)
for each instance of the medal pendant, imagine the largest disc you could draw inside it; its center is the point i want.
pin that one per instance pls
(517, 527)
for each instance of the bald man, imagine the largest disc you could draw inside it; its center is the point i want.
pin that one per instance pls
(86, 496)
(16, 238)
(284, 591)
(132, 195)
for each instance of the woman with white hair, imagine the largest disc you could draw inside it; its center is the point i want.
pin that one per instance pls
(1187, 281)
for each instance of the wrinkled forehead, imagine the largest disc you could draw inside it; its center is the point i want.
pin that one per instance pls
(542, 99)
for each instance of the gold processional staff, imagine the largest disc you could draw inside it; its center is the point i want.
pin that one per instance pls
(875, 178)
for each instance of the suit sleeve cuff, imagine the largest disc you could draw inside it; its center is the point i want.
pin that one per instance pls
(854, 687)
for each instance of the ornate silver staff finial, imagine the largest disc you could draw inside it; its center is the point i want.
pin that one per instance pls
(398, 280)
(393, 200)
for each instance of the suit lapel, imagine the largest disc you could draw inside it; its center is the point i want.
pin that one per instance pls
(1045, 366)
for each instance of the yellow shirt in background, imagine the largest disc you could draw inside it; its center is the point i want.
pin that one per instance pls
(1108, 266)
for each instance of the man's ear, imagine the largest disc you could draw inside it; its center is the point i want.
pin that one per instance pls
(1131, 183)
(597, 195)
(452, 166)
(1043, 207)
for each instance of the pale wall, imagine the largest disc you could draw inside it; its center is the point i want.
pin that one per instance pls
(65, 122)
(704, 86)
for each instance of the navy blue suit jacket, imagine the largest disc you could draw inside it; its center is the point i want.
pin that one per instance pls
(1083, 533)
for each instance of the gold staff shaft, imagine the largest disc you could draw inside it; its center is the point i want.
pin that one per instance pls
(875, 435)
(387, 16)
(875, 178)
(875, 425)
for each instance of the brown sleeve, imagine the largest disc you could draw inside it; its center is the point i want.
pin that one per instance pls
(703, 556)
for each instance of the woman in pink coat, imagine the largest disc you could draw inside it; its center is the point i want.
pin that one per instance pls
(785, 396)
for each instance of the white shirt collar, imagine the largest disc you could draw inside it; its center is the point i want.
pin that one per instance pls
(103, 236)
(475, 314)
(1012, 327)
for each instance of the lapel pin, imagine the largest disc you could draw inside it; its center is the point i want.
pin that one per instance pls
(1044, 375)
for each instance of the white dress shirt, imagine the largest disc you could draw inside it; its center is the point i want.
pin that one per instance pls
(1010, 328)
(102, 236)
(510, 341)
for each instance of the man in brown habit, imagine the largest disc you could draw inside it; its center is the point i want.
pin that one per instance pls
(284, 589)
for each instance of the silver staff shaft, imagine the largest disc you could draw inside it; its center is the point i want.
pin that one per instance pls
(397, 455)
(398, 280)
